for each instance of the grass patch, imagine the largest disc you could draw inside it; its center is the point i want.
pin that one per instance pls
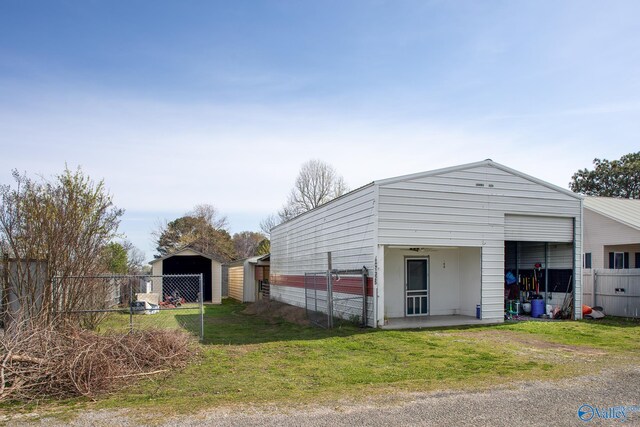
(252, 360)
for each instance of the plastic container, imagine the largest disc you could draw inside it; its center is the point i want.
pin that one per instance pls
(526, 307)
(537, 307)
(478, 311)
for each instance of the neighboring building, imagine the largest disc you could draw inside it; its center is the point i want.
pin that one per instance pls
(23, 285)
(611, 233)
(436, 244)
(249, 278)
(189, 261)
(611, 259)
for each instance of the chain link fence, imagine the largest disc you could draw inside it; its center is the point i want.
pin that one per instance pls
(127, 303)
(336, 295)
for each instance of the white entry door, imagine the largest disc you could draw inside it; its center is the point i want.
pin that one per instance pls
(417, 286)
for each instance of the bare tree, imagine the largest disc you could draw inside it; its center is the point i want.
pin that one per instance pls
(135, 258)
(211, 215)
(247, 242)
(268, 223)
(65, 222)
(316, 184)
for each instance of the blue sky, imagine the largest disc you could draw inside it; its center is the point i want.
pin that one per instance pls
(179, 103)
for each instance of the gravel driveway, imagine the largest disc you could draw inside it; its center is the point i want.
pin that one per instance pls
(532, 403)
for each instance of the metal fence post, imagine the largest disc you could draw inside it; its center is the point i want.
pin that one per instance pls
(329, 293)
(130, 305)
(594, 279)
(365, 277)
(201, 308)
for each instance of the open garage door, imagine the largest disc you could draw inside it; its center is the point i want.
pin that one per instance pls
(531, 228)
(190, 264)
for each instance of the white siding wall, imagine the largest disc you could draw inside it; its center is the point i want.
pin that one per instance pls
(450, 209)
(344, 227)
(470, 280)
(447, 273)
(600, 231)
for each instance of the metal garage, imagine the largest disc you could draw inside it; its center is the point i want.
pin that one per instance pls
(437, 244)
(189, 261)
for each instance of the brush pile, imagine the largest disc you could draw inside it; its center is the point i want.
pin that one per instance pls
(43, 362)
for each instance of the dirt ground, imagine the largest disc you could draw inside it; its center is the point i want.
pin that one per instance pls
(274, 310)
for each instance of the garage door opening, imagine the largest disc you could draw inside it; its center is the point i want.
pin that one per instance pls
(190, 264)
(539, 279)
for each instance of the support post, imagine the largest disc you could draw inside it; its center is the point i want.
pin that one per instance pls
(329, 293)
(130, 305)
(546, 275)
(365, 279)
(201, 308)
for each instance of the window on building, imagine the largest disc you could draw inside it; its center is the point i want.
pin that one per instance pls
(618, 260)
(587, 260)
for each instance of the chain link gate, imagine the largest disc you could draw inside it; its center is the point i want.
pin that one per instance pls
(336, 294)
(133, 302)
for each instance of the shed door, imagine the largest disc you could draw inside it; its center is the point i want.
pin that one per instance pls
(236, 282)
(530, 228)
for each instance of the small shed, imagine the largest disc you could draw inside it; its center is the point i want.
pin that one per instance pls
(249, 278)
(190, 261)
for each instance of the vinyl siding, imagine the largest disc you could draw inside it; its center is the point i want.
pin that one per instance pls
(236, 283)
(344, 227)
(451, 209)
(600, 231)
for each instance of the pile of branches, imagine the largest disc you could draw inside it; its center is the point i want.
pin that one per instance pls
(44, 362)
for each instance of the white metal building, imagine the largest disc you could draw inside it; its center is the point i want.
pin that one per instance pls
(434, 242)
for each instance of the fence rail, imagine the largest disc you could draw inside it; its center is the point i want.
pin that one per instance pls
(127, 303)
(616, 291)
(336, 294)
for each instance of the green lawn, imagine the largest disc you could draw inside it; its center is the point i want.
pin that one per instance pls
(248, 359)
(252, 360)
(185, 317)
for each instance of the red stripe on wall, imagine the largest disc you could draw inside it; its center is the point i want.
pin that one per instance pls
(346, 285)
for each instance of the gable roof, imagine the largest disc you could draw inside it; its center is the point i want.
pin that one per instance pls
(186, 248)
(487, 162)
(624, 211)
